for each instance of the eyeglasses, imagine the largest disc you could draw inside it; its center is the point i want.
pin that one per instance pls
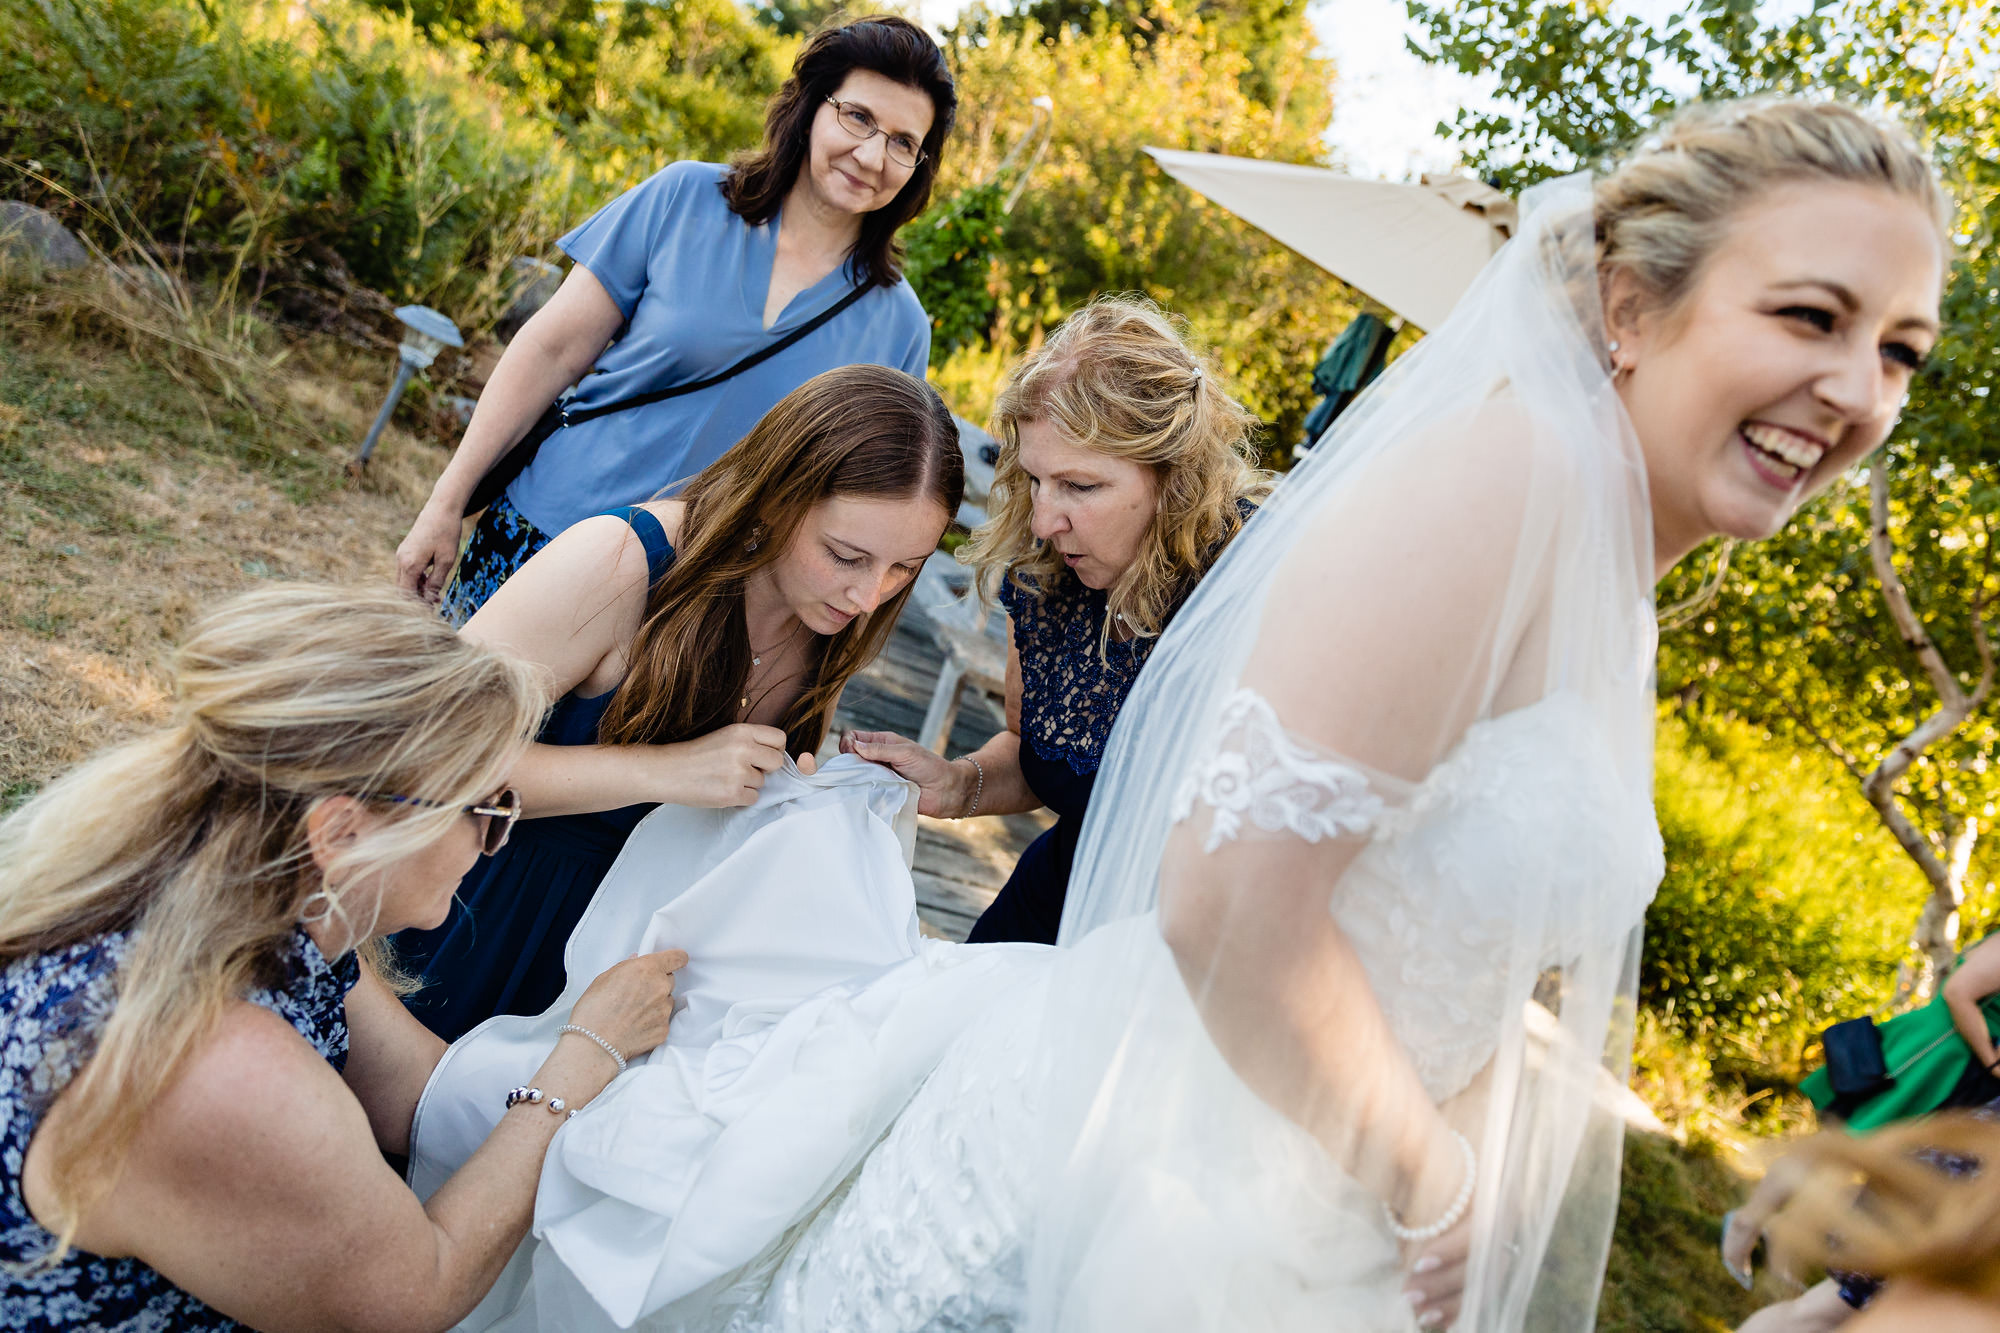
(496, 819)
(904, 151)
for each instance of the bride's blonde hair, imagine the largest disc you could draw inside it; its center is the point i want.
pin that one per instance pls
(194, 837)
(1663, 211)
(1120, 377)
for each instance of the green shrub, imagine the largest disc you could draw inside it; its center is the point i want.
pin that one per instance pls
(948, 258)
(283, 145)
(1784, 908)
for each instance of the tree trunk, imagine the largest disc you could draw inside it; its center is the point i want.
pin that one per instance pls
(1935, 941)
(1943, 861)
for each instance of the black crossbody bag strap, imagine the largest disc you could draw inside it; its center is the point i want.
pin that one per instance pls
(560, 414)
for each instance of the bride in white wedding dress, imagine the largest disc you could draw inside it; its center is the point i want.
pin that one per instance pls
(1353, 930)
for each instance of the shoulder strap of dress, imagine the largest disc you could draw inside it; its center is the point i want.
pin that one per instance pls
(653, 536)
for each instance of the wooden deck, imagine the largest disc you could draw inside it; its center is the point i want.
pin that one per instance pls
(961, 863)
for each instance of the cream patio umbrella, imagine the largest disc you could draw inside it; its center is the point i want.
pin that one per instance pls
(1414, 248)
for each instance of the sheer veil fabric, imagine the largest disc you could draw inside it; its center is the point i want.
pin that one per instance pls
(1413, 700)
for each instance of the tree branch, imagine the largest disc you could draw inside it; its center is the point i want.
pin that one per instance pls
(1954, 705)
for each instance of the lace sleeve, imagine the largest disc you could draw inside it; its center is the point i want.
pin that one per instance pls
(1255, 770)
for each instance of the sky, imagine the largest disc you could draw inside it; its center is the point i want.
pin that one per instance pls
(1386, 102)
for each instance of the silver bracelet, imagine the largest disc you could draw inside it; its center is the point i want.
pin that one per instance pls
(609, 1049)
(533, 1097)
(977, 791)
(1452, 1215)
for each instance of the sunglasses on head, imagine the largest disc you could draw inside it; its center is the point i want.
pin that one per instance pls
(496, 816)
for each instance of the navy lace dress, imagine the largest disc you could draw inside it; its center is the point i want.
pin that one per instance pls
(1070, 696)
(501, 949)
(53, 1006)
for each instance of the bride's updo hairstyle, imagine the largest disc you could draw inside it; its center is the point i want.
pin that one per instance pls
(1664, 211)
(194, 837)
(1119, 377)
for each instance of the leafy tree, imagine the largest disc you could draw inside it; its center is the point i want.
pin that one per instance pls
(1099, 216)
(1862, 629)
(948, 258)
(648, 83)
(1257, 28)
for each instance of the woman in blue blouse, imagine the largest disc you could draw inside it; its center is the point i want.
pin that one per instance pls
(691, 272)
(1124, 470)
(200, 1066)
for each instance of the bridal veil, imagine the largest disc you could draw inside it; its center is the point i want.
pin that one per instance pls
(1414, 698)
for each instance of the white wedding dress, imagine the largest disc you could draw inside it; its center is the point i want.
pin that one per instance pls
(928, 1232)
(1412, 700)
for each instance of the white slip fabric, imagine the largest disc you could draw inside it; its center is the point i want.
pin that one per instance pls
(685, 1167)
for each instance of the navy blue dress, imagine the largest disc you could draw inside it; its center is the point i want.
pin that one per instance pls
(1070, 696)
(501, 950)
(53, 1006)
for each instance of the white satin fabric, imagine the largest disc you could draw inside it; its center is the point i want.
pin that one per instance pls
(810, 1010)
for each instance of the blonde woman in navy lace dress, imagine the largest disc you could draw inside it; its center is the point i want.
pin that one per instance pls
(1124, 471)
(201, 1067)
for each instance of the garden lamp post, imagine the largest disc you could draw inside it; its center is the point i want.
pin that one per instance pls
(427, 334)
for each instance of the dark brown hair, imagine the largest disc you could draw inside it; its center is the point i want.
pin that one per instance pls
(892, 47)
(860, 431)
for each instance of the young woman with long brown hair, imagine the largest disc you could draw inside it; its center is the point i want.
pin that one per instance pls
(696, 642)
(198, 1076)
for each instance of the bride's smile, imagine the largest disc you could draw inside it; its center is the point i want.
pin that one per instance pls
(1802, 331)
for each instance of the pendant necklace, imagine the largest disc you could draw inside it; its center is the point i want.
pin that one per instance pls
(757, 660)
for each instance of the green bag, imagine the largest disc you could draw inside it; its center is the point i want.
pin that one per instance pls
(1926, 1058)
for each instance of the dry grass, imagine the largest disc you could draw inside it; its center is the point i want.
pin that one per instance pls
(132, 493)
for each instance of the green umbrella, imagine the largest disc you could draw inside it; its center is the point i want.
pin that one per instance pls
(1354, 359)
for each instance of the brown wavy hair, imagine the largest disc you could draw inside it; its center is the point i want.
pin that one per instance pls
(194, 837)
(893, 47)
(1120, 377)
(858, 431)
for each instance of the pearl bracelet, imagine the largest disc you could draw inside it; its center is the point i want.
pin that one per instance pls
(609, 1049)
(533, 1097)
(1452, 1215)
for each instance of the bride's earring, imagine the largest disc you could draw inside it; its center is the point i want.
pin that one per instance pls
(316, 908)
(756, 538)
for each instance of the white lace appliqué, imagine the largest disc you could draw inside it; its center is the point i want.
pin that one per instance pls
(1255, 770)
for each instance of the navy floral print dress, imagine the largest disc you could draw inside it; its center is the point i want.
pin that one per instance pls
(1070, 696)
(53, 1006)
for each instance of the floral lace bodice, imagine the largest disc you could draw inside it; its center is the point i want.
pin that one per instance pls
(1525, 825)
(52, 1007)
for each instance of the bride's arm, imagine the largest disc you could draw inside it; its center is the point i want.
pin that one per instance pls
(1378, 675)
(1289, 1005)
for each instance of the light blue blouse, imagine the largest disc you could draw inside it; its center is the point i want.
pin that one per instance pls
(691, 277)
